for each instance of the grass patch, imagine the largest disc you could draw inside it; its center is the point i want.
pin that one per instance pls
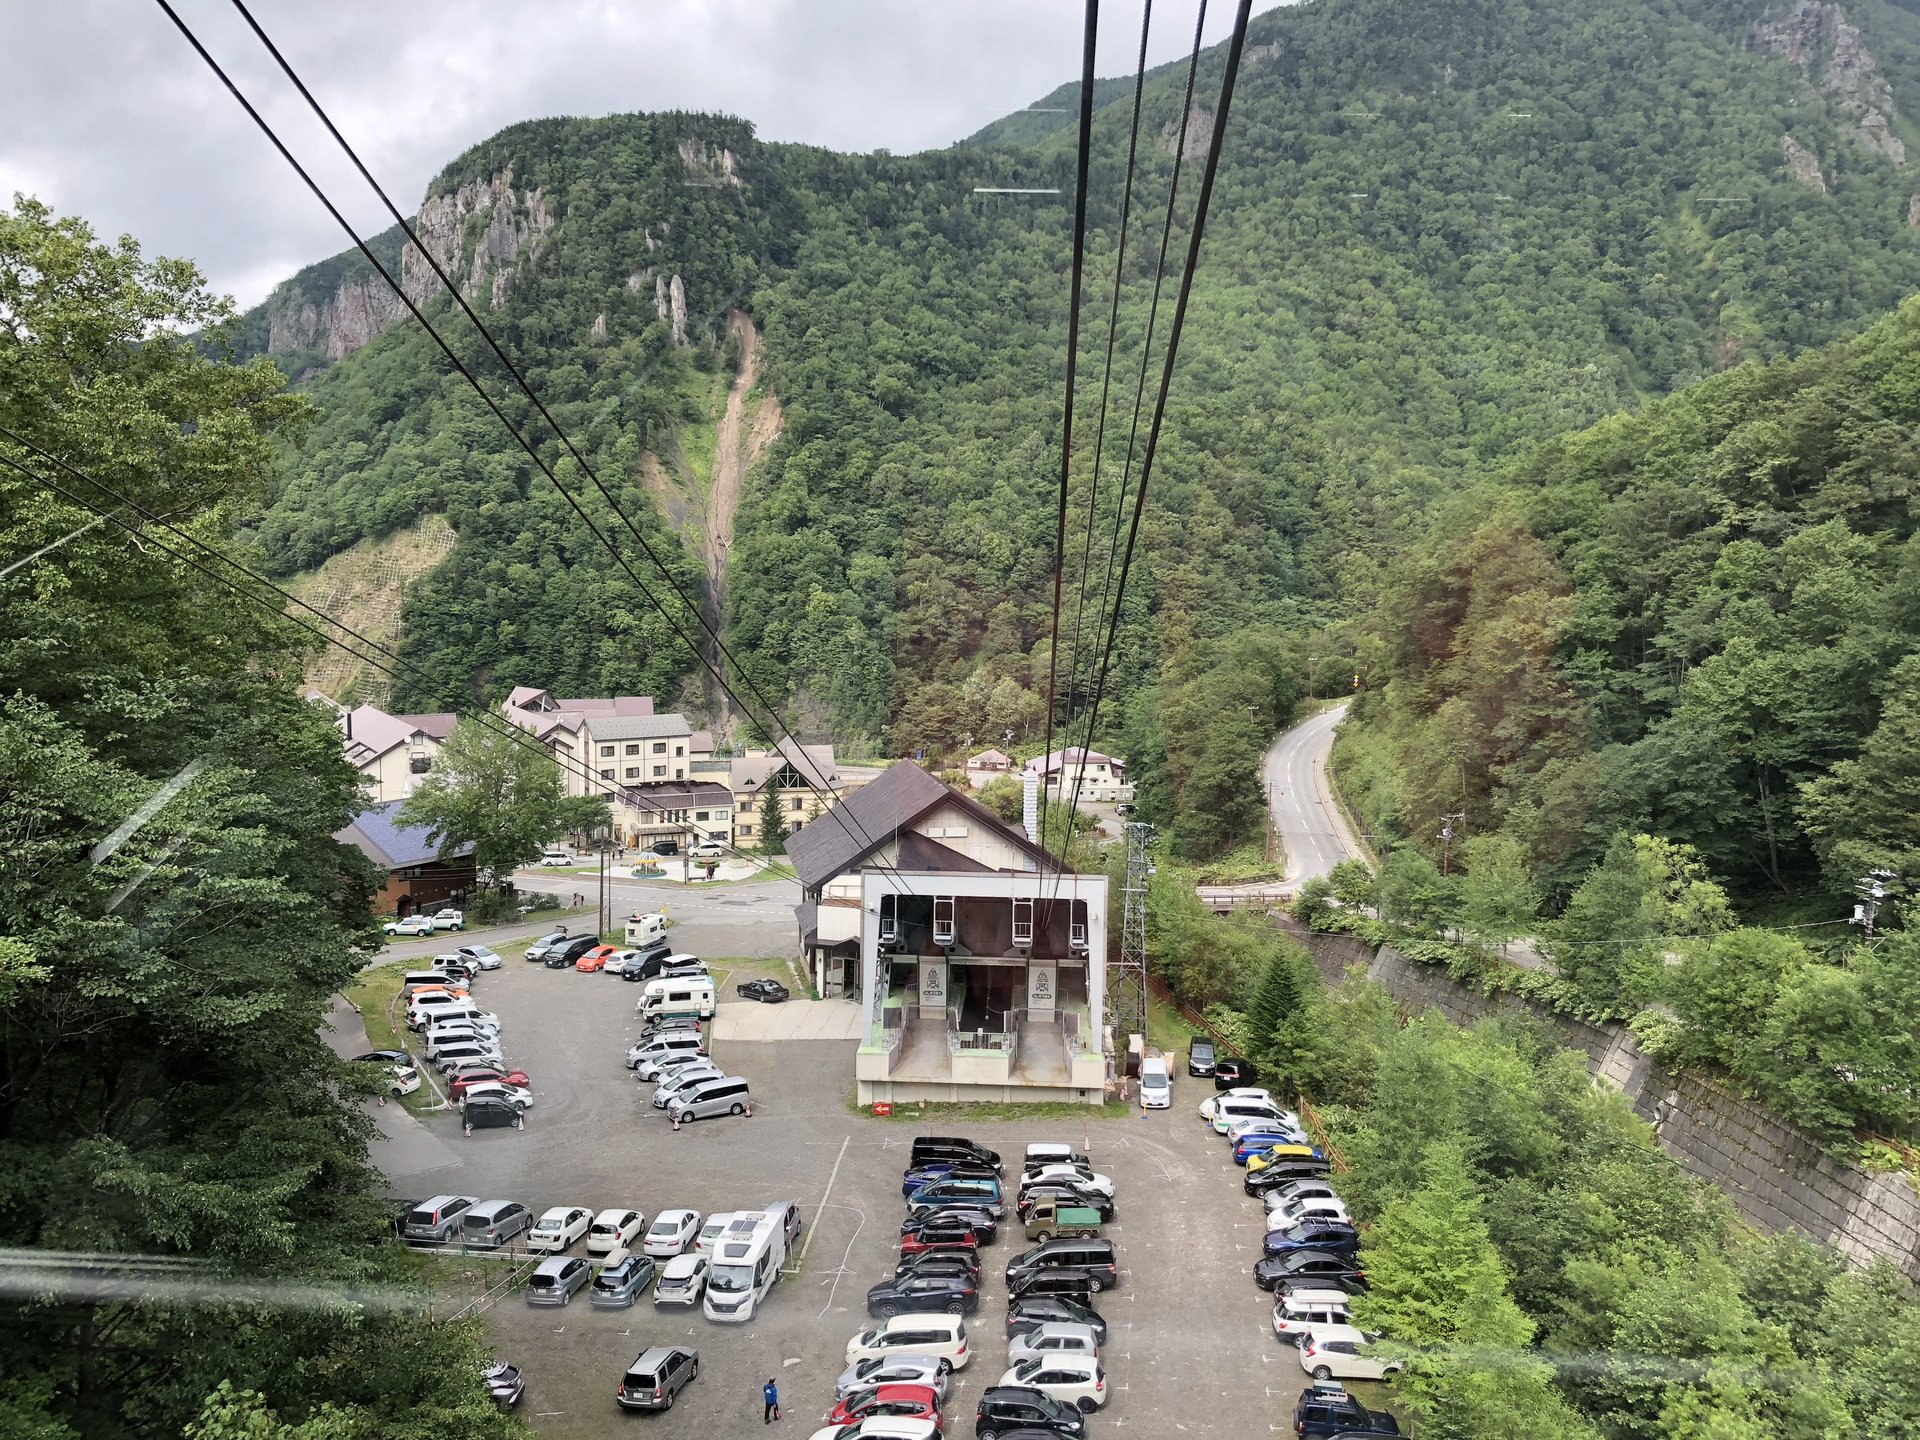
(916, 1111)
(376, 992)
(1167, 1032)
(1247, 865)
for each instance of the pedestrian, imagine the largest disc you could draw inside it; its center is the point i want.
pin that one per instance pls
(770, 1392)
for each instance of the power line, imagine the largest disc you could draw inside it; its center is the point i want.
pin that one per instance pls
(1073, 355)
(1214, 146)
(1106, 374)
(512, 429)
(499, 724)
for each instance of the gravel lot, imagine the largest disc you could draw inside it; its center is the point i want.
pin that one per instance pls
(1191, 1347)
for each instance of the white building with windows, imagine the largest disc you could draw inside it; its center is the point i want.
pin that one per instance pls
(979, 961)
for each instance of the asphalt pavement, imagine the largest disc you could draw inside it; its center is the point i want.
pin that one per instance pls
(1305, 815)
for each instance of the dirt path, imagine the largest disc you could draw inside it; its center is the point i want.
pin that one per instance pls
(736, 446)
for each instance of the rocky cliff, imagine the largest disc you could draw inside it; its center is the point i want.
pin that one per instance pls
(1833, 56)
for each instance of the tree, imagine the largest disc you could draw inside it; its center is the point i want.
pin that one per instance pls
(499, 794)
(773, 821)
(1411, 891)
(1498, 897)
(1860, 814)
(1724, 990)
(161, 1073)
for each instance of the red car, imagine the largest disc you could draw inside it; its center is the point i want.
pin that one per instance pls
(919, 1244)
(457, 1086)
(912, 1402)
(596, 958)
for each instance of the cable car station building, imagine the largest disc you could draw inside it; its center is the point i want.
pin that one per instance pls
(979, 961)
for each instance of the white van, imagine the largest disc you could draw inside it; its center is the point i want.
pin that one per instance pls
(1156, 1089)
(942, 1336)
(557, 857)
(645, 929)
(746, 1265)
(693, 995)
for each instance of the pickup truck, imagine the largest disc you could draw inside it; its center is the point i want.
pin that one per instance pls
(1045, 1220)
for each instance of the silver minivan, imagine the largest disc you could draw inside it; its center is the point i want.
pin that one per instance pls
(725, 1096)
(492, 1223)
(684, 1078)
(646, 1060)
(436, 1221)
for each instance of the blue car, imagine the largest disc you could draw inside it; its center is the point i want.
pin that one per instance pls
(912, 1180)
(1330, 1235)
(1253, 1143)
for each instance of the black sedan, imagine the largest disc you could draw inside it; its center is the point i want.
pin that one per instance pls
(1339, 1272)
(384, 1057)
(1200, 1057)
(1276, 1177)
(1038, 1310)
(484, 1112)
(940, 1262)
(1230, 1073)
(767, 992)
(921, 1294)
(954, 1223)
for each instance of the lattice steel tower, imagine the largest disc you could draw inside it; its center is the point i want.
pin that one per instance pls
(1127, 985)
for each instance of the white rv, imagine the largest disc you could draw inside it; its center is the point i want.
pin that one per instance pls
(645, 929)
(746, 1265)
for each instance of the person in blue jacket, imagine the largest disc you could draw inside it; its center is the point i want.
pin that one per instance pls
(771, 1394)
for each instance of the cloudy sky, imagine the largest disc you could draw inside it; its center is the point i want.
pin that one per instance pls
(108, 114)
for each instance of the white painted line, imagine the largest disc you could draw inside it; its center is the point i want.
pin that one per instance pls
(808, 1242)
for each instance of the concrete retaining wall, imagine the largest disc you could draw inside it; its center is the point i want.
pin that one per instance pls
(1777, 1175)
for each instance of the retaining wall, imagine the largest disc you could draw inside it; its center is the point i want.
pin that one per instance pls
(1777, 1175)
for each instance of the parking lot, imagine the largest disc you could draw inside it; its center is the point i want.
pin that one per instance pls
(1191, 1345)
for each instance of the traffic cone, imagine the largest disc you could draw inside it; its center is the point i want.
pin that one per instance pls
(749, 1110)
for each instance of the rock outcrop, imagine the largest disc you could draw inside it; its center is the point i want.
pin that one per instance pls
(514, 225)
(358, 310)
(670, 304)
(1834, 58)
(1199, 135)
(1801, 162)
(715, 167)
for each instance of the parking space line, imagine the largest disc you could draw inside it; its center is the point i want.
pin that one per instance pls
(826, 1195)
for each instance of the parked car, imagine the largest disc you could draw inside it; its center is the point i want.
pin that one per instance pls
(1044, 1310)
(491, 1115)
(1326, 1409)
(505, 1383)
(657, 1376)
(919, 1175)
(1296, 1160)
(951, 1224)
(1156, 1087)
(454, 1057)
(621, 1283)
(492, 1223)
(609, 1230)
(559, 957)
(595, 958)
(1094, 1258)
(708, 850)
(556, 1281)
(768, 992)
(436, 1221)
(1005, 1411)
(936, 1244)
(910, 1402)
(557, 857)
(558, 939)
(927, 1370)
(1232, 1072)
(929, 1148)
(660, 1067)
(467, 1076)
(402, 1078)
(717, 1222)
(672, 1232)
(644, 963)
(481, 957)
(1063, 1194)
(1322, 1267)
(1285, 1129)
(449, 919)
(683, 1280)
(942, 1336)
(1077, 1380)
(1054, 1337)
(559, 1227)
(497, 1090)
(964, 1263)
(1297, 1310)
(1342, 1352)
(1290, 1212)
(952, 1294)
(1201, 1057)
(681, 967)
(1069, 1175)
(412, 925)
(1311, 1188)
(1335, 1235)
(683, 1077)
(1210, 1106)
(1259, 1141)
(881, 1427)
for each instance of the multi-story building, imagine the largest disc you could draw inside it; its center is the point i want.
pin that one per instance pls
(1091, 775)
(979, 961)
(393, 753)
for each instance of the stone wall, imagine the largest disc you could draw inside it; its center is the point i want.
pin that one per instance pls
(1777, 1175)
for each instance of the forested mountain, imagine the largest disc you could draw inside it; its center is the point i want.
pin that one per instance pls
(1441, 235)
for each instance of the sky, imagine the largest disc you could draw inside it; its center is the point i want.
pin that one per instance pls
(108, 114)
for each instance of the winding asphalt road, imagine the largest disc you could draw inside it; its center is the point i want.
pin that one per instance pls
(1311, 828)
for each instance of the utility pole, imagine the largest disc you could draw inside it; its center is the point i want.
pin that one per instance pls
(1127, 992)
(1448, 830)
(1872, 890)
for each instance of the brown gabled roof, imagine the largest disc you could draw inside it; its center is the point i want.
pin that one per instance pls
(869, 817)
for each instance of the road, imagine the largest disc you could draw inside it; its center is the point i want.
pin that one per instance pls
(1310, 826)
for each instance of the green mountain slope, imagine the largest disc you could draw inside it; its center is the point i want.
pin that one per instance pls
(1440, 235)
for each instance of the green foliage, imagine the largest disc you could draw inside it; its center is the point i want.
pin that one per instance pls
(1498, 897)
(165, 1088)
(773, 823)
(500, 795)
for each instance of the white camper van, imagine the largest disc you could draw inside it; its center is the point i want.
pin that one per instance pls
(746, 1265)
(645, 929)
(693, 995)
